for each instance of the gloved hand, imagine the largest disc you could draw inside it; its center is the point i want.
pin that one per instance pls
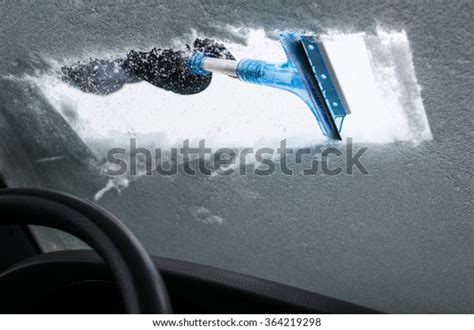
(167, 69)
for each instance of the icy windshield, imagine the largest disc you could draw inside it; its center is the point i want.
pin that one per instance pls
(240, 176)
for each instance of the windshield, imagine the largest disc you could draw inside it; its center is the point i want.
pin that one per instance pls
(239, 176)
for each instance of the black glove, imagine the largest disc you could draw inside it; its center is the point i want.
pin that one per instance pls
(168, 69)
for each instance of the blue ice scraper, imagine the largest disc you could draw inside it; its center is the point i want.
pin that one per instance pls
(307, 73)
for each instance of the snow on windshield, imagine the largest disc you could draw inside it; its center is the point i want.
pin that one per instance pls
(375, 70)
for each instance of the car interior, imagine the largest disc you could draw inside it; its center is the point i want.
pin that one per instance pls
(119, 276)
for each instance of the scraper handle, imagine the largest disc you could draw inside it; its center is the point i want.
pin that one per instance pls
(201, 64)
(248, 70)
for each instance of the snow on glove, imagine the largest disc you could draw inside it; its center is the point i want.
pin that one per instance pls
(167, 69)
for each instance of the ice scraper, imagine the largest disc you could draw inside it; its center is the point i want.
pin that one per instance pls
(307, 73)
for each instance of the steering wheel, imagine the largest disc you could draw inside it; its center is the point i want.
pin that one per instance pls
(141, 286)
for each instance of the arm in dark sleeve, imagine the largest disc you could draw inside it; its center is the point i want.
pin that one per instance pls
(163, 68)
(101, 77)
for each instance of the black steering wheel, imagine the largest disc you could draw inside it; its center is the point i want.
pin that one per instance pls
(140, 283)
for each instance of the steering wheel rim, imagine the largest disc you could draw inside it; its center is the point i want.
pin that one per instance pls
(141, 285)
